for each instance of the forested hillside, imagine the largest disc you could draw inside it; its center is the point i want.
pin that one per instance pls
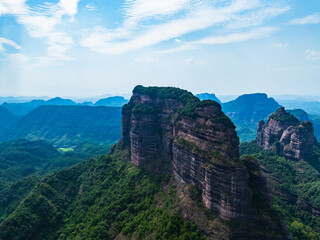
(103, 198)
(295, 186)
(65, 126)
(23, 163)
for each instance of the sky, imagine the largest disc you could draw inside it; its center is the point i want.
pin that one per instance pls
(87, 48)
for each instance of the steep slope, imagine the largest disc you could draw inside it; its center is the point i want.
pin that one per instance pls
(208, 96)
(68, 125)
(6, 118)
(286, 135)
(23, 163)
(295, 186)
(21, 109)
(247, 110)
(116, 101)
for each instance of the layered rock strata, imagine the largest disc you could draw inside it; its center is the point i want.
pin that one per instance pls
(286, 135)
(169, 129)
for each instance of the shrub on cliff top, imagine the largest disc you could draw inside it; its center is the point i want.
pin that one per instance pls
(283, 116)
(190, 101)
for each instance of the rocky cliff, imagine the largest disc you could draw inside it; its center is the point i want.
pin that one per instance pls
(286, 135)
(169, 129)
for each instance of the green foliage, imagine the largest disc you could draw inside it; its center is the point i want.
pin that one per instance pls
(24, 163)
(246, 134)
(99, 199)
(143, 109)
(296, 190)
(221, 118)
(287, 117)
(189, 101)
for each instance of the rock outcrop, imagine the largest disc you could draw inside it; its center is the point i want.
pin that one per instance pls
(169, 129)
(286, 135)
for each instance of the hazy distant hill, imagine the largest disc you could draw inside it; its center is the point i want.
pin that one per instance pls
(24, 108)
(208, 96)
(300, 114)
(116, 101)
(68, 125)
(247, 110)
(6, 118)
(311, 107)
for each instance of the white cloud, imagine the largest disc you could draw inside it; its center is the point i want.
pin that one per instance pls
(43, 21)
(91, 7)
(5, 41)
(173, 19)
(225, 39)
(17, 59)
(311, 19)
(257, 17)
(279, 45)
(138, 10)
(312, 55)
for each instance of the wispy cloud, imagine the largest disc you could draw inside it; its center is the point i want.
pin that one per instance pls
(279, 45)
(91, 7)
(17, 60)
(176, 18)
(5, 41)
(312, 55)
(311, 19)
(229, 38)
(42, 21)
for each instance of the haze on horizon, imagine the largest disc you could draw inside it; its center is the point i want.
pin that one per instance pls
(89, 48)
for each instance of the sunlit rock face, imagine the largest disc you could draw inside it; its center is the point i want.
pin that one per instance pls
(169, 129)
(286, 135)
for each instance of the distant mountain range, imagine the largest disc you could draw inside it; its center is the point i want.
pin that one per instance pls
(21, 109)
(247, 110)
(311, 107)
(24, 108)
(67, 125)
(116, 101)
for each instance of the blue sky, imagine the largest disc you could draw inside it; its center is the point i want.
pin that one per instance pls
(93, 47)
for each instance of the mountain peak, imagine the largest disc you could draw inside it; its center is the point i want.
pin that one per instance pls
(169, 129)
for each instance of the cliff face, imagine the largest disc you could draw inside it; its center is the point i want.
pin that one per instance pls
(285, 134)
(169, 129)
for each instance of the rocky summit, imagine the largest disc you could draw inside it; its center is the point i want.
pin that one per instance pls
(169, 129)
(286, 135)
